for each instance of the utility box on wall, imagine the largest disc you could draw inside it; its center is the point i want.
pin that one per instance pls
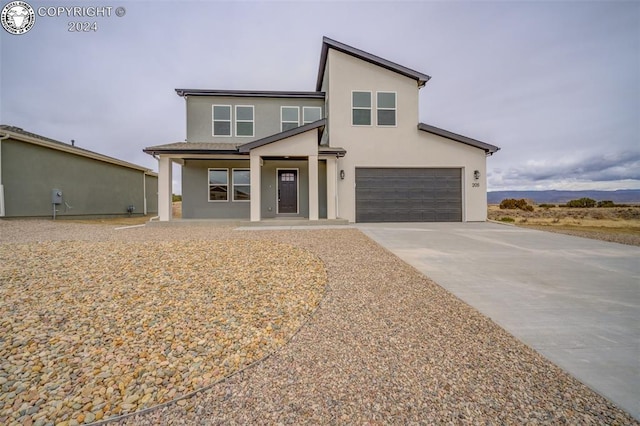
(56, 196)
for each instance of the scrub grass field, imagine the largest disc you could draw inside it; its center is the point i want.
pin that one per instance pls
(616, 224)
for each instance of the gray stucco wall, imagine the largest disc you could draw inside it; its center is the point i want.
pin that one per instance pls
(89, 187)
(195, 204)
(195, 191)
(266, 116)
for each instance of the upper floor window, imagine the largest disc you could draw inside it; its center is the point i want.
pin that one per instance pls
(386, 108)
(222, 120)
(289, 117)
(361, 108)
(311, 114)
(244, 120)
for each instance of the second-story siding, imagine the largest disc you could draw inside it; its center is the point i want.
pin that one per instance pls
(266, 116)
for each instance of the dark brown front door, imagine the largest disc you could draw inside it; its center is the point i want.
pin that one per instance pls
(287, 191)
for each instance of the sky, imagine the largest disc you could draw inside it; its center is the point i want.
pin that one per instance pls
(554, 84)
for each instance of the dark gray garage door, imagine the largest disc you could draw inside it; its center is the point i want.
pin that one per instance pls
(408, 195)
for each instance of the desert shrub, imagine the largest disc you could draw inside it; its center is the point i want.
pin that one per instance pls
(524, 220)
(507, 219)
(583, 202)
(508, 203)
(512, 204)
(606, 203)
(547, 206)
(176, 197)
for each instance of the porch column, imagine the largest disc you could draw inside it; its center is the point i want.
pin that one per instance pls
(255, 186)
(313, 187)
(332, 176)
(165, 180)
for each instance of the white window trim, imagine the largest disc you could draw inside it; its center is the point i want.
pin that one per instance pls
(387, 109)
(233, 185)
(253, 121)
(370, 108)
(297, 189)
(213, 120)
(209, 185)
(282, 118)
(310, 107)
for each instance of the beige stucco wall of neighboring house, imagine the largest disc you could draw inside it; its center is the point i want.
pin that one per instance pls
(400, 146)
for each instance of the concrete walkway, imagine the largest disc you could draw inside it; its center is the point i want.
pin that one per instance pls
(574, 300)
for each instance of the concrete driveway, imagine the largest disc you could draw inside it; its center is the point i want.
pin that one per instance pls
(576, 301)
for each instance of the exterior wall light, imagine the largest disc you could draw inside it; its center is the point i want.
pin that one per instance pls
(342, 174)
(476, 174)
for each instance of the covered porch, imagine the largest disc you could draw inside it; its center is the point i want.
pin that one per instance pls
(285, 176)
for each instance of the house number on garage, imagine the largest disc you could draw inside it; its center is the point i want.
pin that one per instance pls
(475, 185)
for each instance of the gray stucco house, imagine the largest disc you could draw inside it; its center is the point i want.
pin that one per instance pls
(38, 173)
(350, 149)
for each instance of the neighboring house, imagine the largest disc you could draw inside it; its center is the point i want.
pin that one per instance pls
(351, 149)
(34, 169)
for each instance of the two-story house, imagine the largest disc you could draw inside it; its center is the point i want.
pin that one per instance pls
(351, 149)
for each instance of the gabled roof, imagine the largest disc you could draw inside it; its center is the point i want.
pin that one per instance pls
(282, 135)
(328, 43)
(250, 93)
(488, 148)
(20, 134)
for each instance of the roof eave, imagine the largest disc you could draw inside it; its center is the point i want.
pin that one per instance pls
(152, 151)
(61, 146)
(247, 147)
(327, 43)
(250, 93)
(486, 147)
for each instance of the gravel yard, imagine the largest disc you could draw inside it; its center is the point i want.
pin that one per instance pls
(385, 345)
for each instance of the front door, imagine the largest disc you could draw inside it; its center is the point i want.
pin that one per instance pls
(287, 191)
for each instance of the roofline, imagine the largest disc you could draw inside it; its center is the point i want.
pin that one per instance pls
(61, 146)
(156, 151)
(282, 135)
(488, 148)
(328, 43)
(249, 93)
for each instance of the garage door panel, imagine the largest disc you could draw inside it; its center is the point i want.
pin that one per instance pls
(408, 195)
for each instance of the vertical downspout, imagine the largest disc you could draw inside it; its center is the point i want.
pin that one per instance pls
(337, 190)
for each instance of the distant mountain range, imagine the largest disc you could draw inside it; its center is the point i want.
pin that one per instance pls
(620, 196)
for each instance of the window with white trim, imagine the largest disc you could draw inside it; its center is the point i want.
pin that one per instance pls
(289, 118)
(221, 120)
(218, 184)
(244, 120)
(311, 114)
(241, 185)
(361, 108)
(386, 108)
